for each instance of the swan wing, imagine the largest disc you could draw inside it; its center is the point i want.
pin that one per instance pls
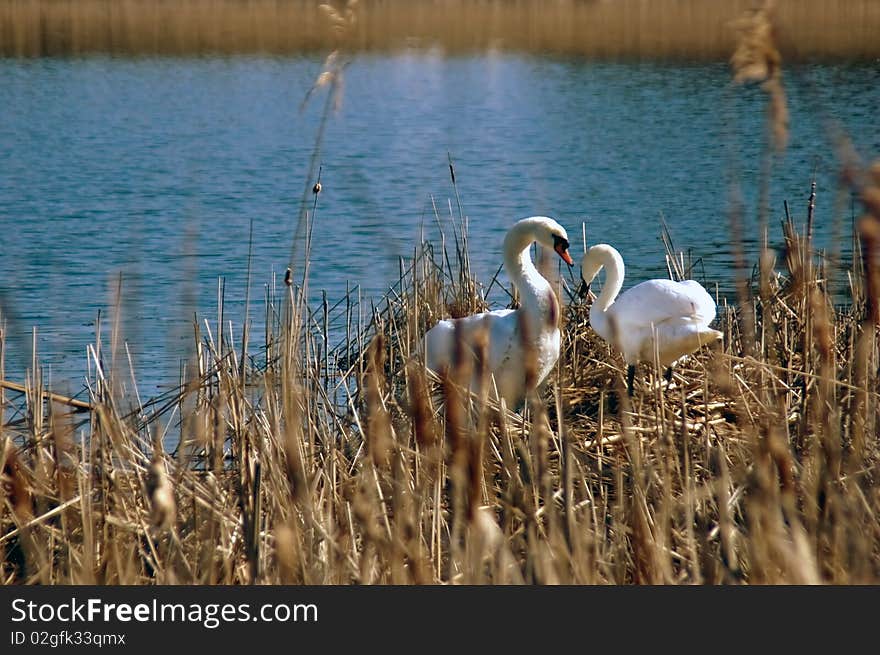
(704, 303)
(661, 301)
(440, 339)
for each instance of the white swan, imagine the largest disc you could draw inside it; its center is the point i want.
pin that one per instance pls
(671, 318)
(511, 334)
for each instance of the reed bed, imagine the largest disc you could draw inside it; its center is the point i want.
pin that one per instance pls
(303, 462)
(679, 29)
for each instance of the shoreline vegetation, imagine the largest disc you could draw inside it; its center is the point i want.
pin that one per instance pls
(604, 29)
(299, 462)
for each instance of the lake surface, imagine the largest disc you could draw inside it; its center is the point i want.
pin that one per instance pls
(154, 169)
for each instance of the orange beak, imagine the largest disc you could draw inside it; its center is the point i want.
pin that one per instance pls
(562, 252)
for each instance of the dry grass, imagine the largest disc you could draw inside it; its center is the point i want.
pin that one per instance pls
(610, 28)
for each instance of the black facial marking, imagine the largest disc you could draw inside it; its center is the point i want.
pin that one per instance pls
(560, 242)
(584, 289)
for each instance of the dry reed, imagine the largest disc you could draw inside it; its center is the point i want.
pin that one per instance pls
(692, 29)
(319, 464)
(754, 466)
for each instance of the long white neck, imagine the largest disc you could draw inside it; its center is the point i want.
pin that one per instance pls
(612, 262)
(532, 286)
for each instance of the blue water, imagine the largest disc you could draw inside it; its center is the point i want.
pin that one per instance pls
(154, 169)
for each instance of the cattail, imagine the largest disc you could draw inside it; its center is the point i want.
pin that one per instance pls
(363, 507)
(293, 448)
(286, 553)
(871, 198)
(456, 380)
(822, 327)
(871, 191)
(869, 232)
(161, 495)
(480, 343)
(15, 485)
(378, 435)
(420, 408)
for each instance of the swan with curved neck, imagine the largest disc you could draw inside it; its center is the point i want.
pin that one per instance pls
(519, 342)
(656, 318)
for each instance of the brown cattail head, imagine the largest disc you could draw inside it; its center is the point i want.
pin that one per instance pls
(766, 268)
(455, 382)
(871, 199)
(161, 494)
(871, 191)
(376, 362)
(15, 485)
(875, 172)
(780, 454)
(420, 407)
(480, 345)
(822, 327)
(293, 448)
(462, 362)
(286, 552)
(869, 232)
(378, 421)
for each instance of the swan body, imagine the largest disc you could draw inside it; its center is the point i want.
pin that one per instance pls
(661, 318)
(511, 334)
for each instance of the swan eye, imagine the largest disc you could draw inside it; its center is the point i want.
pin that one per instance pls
(560, 244)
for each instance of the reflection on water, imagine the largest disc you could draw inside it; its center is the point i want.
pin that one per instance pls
(153, 169)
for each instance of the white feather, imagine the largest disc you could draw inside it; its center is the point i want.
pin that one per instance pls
(658, 316)
(534, 326)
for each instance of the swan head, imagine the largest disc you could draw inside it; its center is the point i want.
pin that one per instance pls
(545, 231)
(561, 245)
(594, 259)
